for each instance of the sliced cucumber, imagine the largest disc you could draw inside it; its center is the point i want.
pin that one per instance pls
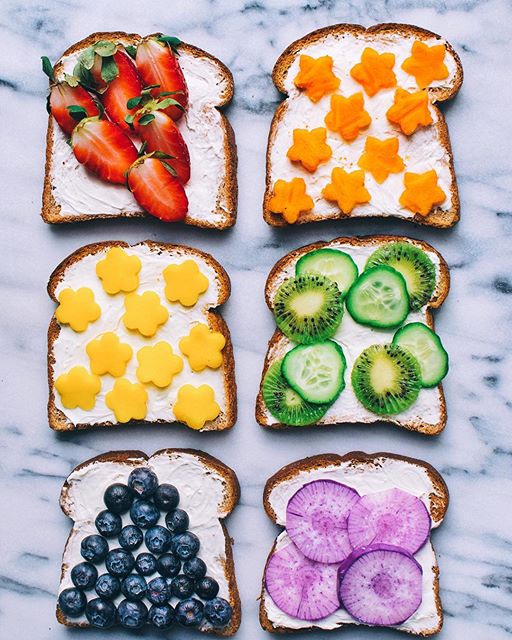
(331, 263)
(316, 371)
(428, 350)
(379, 298)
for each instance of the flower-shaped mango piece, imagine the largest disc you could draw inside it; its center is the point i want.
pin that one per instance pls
(380, 158)
(348, 116)
(410, 110)
(316, 77)
(144, 313)
(119, 271)
(158, 364)
(107, 354)
(185, 283)
(128, 400)
(77, 308)
(290, 199)
(346, 189)
(78, 388)
(203, 347)
(422, 193)
(375, 71)
(196, 405)
(309, 148)
(426, 63)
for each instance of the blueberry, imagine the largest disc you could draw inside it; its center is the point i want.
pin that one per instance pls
(146, 564)
(94, 548)
(218, 611)
(194, 568)
(134, 587)
(132, 615)
(100, 613)
(159, 591)
(185, 545)
(118, 498)
(207, 588)
(168, 565)
(182, 586)
(143, 482)
(144, 514)
(108, 523)
(84, 575)
(166, 497)
(189, 612)
(157, 539)
(131, 537)
(107, 586)
(119, 562)
(177, 521)
(72, 602)
(161, 616)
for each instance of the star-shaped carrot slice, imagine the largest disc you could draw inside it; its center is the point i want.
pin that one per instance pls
(290, 199)
(375, 71)
(316, 77)
(426, 63)
(309, 148)
(348, 116)
(410, 110)
(422, 193)
(380, 158)
(346, 189)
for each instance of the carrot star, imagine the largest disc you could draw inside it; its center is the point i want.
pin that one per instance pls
(348, 116)
(375, 71)
(316, 77)
(290, 199)
(410, 110)
(309, 148)
(346, 189)
(422, 193)
(426, 63)
(380, 158)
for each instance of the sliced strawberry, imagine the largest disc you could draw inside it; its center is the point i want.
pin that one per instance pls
(157, 190)
(124, 86)
(70, 104)
(158, 65)
(104, 149)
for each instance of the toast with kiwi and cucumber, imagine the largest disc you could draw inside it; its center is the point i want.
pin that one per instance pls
(355, 339)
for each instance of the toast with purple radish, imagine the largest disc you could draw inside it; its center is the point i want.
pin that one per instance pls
(355, 546)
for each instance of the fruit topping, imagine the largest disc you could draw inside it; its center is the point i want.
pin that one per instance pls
(107, 354)
(166, 497)
(346, 189)
(134, 587)
(422, 192)
(410, 110)
(94, 548)
(428, 350)
(348, 116)
(375, 71)
(162, 616)
(84, 576)
(132, 615)
(336, 265)
(189, 612)
(128, 400)
(78, 388)
(144, 313)
(316, 77)
(203, 347)
(131, 537)
(100, 613)
(119, 271)
(381, 158)
(185, 283)
(107, 587)
(290, 199)
(72, 602)
(309, 148)
(146, 564)
(77, 308)
(109, 524)
(158, 365)
(121, 89)
(195, 406)
(218, 612)
(118, 498)
(426, 63)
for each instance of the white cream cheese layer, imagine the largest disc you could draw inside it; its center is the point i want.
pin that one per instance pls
(422, 151)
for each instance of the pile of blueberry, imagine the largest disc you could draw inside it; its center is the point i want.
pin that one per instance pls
(171, 553)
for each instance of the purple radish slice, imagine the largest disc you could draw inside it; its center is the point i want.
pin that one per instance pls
(316, 520)
(303, 589)
(380, 585)
(392, 517)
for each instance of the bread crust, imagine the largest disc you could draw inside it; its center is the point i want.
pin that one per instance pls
(56, 418)
(228, 191)
(439, 500)
(438, 297)
(231, 498)
(437, 217)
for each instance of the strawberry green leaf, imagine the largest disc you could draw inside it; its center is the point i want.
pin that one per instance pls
(130, 50)
(161, 155)
(142, 149)
(129, 118)
(169, 169)
(169, 93)
(86, 59)
(47, 67)
(134, 102)
(105, 48)
(73, 81)
(168, 102)
(109, 69)
(146, 119)
(172, 41)
(77, 112)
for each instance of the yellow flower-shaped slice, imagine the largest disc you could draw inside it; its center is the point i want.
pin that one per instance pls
(107, 354)
(203, 347)
(346, 189)
(309, 148)
(316, 77)
(195, 406)
(422, 193)
(410, 110)
(144, 313)
(375, 71)
(185, 283)
(348, 116)
(380, 158)
(77, 308)
(119, 271)
(290, 199)
(128, 400)
(426, 63)
(78, 388)
(158, 364)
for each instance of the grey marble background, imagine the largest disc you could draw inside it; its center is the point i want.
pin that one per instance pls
(475, 451)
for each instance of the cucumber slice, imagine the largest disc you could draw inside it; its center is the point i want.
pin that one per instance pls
(331, 263)
(316, 371)
(428, 350)
(379, 298)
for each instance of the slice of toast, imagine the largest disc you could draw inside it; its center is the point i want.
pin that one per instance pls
(67, 348)
(366, 473)
(428, 414)
(426, 149)
(209, 491)
(72, 194)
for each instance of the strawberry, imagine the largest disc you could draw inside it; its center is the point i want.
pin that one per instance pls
(104, 149)
(124, 86)
(159, 67)
(155, 188)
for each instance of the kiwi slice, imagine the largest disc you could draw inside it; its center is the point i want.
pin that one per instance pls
(386, 379)
(415, 266)
(308, 308)
(285, 404)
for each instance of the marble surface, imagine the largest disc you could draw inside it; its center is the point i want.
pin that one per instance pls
(475, 451)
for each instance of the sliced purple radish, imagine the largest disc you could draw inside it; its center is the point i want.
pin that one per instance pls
(392, 517)
(381, 585)
(303, 589)
(316, 520)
